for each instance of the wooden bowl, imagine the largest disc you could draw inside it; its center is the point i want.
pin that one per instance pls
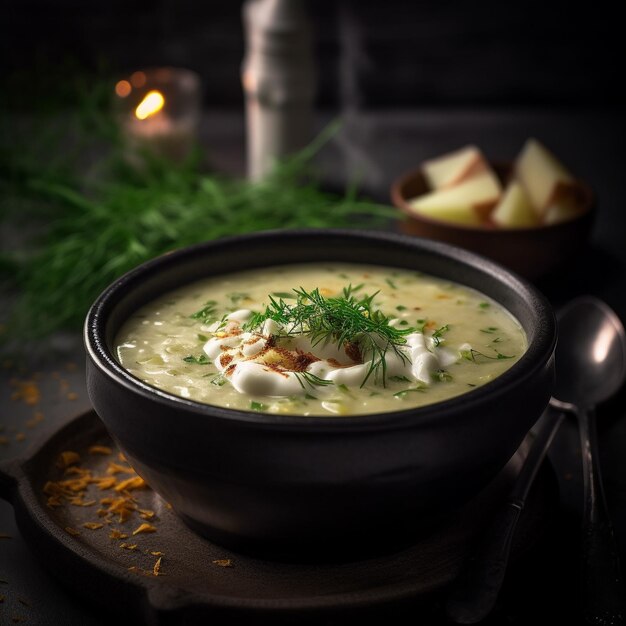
(534, 252)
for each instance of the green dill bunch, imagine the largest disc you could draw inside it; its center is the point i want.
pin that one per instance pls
(348, 321)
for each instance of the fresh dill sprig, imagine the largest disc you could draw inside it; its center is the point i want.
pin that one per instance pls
(342, 320)
(307, 378)
(198, 360)
(473, 355)
(438, 334)
(207, 313)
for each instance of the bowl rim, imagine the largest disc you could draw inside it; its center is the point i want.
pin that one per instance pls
(534, 358)
(401, 202)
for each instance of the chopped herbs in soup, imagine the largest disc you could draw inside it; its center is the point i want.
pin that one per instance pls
(310, 340)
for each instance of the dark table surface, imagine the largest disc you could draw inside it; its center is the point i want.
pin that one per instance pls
(377, 146)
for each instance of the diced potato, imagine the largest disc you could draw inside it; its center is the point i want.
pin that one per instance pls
(566, 208)
(465, 203)
(453, 168)
(545, 178)
(515, 209)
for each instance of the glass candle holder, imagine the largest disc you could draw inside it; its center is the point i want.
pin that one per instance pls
(159, 111)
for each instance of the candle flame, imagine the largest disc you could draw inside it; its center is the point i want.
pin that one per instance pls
(151, 104)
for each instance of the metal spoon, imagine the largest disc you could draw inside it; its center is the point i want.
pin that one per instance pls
(591, 366)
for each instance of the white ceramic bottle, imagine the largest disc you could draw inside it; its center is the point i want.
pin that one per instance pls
(278, 78)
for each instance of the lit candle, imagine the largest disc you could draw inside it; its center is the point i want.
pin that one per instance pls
(160, 111)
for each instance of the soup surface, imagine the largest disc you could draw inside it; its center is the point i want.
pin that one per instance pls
(332, 340)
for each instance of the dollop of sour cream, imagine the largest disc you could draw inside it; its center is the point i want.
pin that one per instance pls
(266, 363)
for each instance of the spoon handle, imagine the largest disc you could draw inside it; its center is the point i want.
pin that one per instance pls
(603, 585)
(475, 591)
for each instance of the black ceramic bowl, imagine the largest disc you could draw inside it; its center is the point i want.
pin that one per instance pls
(288, 485)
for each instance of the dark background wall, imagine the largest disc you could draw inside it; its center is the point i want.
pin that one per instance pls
(373, 53)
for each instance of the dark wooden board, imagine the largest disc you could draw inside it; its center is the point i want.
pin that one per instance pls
(194, 587)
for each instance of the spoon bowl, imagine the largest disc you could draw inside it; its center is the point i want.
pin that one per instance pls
(590, 353)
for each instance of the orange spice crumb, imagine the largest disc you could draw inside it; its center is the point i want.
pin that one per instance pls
(121, 457)
(77, 470)
(20, 437)
(78, 501)
(35, 419)
(3, 440)
(157, 553)
(106, 482)
(72, 531)
(156, 570)
(128, 546)
(116, 468)
(223, 562)
(136, 482)
(144, 528)
(123, 507)
(72, 396)
(25, 390)
(67, 458)
(117, 534)
(93, 525)
(146, 513)
(52, 489)
(99, 450)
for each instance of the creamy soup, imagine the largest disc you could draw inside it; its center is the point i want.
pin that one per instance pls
(309, 340)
